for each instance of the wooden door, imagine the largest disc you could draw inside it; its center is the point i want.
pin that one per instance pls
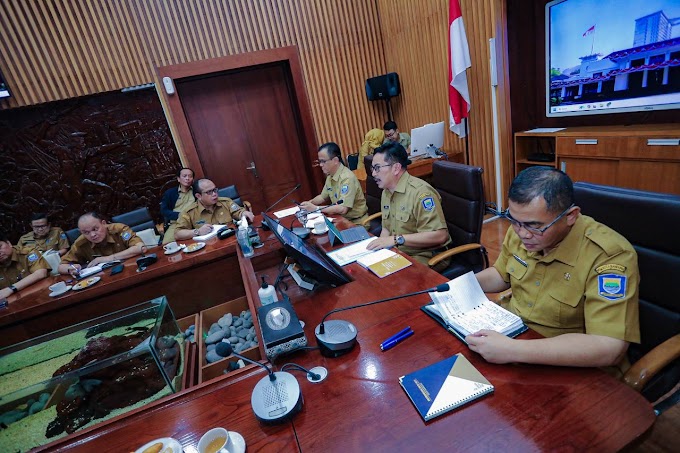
(245, 120)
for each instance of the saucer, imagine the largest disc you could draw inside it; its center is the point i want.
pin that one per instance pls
(86, 283)
(59, 293)
(169, 445)
(238, 442)
(170, 252)
(196, 246)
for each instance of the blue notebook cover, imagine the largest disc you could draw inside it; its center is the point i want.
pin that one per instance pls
(444, 386)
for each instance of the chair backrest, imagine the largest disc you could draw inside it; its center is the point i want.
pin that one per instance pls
(462, 190)
(72, 235)
(373, 196)
(138, 220)
(231, 192)
(650, 222)
(352, 161)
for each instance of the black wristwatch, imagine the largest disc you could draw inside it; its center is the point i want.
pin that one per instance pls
(13, 288)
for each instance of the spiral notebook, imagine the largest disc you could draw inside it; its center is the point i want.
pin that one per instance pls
(444, 386)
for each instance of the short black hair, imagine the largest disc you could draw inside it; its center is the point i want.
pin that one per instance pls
(333, 150)
(94, 214)
(39, 216)
(179, 172)
(394, 153)
(388, 126)
(553, 185)
(196, 186)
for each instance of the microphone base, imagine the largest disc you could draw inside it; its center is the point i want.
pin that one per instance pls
(339, 338)
(276, 401)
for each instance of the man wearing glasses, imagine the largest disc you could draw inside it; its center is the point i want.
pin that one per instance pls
(341, 184)
(393, 135)
(412, 216)
(208, 210)
(44, 237)
(573, 280)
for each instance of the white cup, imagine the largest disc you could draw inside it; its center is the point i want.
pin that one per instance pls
(320, 226)
(171, 247)
(58, 287)
(215, 441)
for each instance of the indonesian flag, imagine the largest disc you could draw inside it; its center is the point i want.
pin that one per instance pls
(589, 31)
(459, 61)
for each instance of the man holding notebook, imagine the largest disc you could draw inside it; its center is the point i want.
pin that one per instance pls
(573, 280)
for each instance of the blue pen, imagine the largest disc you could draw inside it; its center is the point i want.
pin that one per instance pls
(392, 343)
(396, 335)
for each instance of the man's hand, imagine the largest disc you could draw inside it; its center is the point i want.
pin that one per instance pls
(382, 242)
(493, 346)
(74, 270)
(205, 229)
(249, 215)
(308, 206)
(5, 293)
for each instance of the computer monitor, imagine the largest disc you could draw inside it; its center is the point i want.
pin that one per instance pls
(313, 261)
(424, 136)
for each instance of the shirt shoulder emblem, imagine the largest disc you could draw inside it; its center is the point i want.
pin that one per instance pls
(32, 257)
(611, 286)
(344, 189)
(126, 235)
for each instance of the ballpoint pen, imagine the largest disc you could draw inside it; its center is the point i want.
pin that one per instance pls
(396, 335)
(392, 343)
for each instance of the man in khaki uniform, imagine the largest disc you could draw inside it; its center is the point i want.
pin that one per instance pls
(208, 210)
(412, 216)
(341, 184)
(393, 135)
(573, 280)
(44, 237)
(19, 270)
(100, 242)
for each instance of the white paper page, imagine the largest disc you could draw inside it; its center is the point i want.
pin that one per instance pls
(286, 212)
(87, 271)
(350, 253)
(546, 130)
(464, 294)
(487, 316)
(312, 219)
(207, 236)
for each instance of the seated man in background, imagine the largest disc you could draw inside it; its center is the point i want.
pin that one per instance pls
(19, 270)
(44, 237)
(373, 139)
(412, 216)
(100, 242)
(392, 134)
(176, 200)
(341, 184)
(208, 210)
(573, 280)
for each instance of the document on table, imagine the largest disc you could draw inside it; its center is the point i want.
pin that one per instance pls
(351, 253)
(205, 237)
(286, 212)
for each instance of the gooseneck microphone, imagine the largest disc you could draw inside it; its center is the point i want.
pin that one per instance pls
(338, 337)
(275, 398)
(264, 225)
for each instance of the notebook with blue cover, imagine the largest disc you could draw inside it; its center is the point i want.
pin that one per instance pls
(444, 386)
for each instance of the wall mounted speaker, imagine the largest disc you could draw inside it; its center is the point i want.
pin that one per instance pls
(383, 87)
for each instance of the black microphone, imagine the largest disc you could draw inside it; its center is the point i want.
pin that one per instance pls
(264, 225)
(342, 335)
(275, 398)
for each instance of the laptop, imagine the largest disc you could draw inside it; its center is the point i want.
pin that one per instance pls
(348, 236)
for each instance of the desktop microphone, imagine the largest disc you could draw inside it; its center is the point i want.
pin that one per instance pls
(338, 337)
(264, 225)
(275, 398)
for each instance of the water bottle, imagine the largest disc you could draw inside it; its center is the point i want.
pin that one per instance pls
(244, 239)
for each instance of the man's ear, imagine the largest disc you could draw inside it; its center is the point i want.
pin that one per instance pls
(573, 215)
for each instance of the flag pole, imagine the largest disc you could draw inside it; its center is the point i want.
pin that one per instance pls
(467, 145)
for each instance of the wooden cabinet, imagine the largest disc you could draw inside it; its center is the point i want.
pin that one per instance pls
(645, 157)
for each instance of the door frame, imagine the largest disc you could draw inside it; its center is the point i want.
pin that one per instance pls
(179, 126)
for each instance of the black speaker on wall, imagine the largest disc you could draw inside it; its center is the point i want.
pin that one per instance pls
(383, 87)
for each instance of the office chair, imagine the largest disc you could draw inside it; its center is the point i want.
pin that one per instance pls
(649, 221)
(373, 197)
(72, 235)
(138, 220)
(232, 192)
(462, 190)
(353, 161)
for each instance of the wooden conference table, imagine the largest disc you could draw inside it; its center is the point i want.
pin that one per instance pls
(361, 407)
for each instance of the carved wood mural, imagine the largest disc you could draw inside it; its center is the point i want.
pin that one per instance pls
(110, 153)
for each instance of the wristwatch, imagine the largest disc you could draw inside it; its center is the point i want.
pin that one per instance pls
(13, 288)
(399, 239)
(196, 232)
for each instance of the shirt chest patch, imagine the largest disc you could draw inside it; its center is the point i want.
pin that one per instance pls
(126, 235)
(344, 189)
(612, 286)
(428, 203)
(32, 257)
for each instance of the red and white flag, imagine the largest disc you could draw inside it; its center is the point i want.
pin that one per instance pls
(589, 31)
(459, 61)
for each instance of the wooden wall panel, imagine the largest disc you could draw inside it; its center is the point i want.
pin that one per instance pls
(58, 49)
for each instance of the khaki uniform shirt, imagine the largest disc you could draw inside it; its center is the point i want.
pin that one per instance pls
(588, 284)
(413, 207)
(55, 240)
(185, 200)
(19, 266)
(118, 238)
(198, 215)
(344, 185)
(404, 140)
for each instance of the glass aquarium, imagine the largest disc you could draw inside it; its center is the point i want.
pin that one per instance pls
(56, 384)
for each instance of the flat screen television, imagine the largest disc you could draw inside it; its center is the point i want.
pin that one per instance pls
(612, 56)
(4, 91)
(313, 261)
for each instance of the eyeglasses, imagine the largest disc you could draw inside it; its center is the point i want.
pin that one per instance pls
(376, 168)
(210, 192)
(323, 161)
(40, 227)
(519, 225)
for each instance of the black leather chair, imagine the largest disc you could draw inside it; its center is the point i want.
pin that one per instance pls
(352, 161)
(72, 235)
(462, 190)
(650, 222)
(232, 192)
(139, 219)
(373, 197)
